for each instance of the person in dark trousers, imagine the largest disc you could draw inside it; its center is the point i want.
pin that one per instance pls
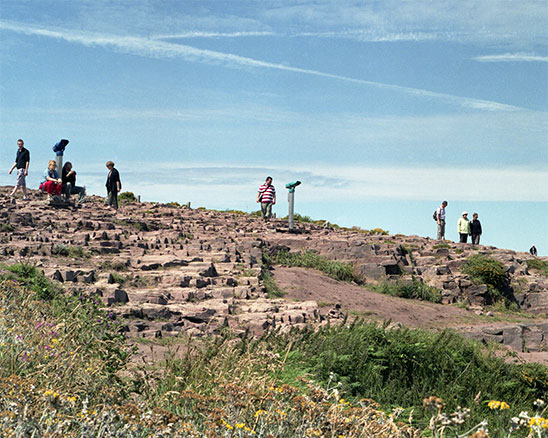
(267, 198)
(463, 227)
(22, 161)
(68, 176)
(113, 186)
(440, 219)
(533, 250)
(475, 229)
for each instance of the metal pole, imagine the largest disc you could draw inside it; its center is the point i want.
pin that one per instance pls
(59, 161)
(291, 199)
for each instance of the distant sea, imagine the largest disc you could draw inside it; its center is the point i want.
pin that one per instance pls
(512, 225)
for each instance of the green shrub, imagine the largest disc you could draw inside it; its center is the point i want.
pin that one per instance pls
(127, 197)
(7, 228)
(405, 289)
(486, 270)
(539, 265)
(310, 259)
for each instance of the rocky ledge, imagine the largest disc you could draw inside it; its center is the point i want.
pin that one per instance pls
(169, 269)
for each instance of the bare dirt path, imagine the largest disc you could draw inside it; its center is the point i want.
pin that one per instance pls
(303, 285)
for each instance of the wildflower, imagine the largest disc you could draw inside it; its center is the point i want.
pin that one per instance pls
(495, 404)
(539, 403)
(537, 422)
(260, 412)
(239, 425)
(225, 424)
(433, 401)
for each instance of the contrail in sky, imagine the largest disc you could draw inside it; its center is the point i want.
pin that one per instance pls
(155, 48)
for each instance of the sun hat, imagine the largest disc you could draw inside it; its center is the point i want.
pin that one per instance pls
(464, 212)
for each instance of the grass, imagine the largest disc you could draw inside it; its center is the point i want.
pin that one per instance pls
(76, 252)
(62, 342)
(441, 245)
(538, 265)
(271, 288)
(117, 278)
(7, 228)
(309, 259)
(64, 371)
(414, 289)
(399, 367)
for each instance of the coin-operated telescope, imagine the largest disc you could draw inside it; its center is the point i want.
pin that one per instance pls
(59, 150)
(291, 199)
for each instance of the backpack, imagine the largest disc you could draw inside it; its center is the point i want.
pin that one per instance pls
(435, 215)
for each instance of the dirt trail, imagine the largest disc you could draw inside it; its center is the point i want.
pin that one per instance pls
(305, 285)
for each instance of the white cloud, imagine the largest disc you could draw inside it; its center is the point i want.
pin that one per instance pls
(512, 57)
(160, 49)
(483, 22)
(197, 34)
(228, 186)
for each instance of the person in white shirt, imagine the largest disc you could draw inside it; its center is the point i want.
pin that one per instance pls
(440, 219)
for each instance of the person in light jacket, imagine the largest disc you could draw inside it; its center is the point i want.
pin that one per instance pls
(463, 227)
(475, 229)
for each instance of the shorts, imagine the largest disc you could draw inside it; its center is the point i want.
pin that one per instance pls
(20, 182)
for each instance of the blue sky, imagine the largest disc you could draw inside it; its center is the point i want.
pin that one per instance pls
(381, 108)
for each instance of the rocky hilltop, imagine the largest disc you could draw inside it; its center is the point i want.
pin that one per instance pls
(167, 269)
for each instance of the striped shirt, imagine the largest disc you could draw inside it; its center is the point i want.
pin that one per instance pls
(267, 193)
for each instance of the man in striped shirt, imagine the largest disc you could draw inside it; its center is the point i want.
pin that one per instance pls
(267, 198)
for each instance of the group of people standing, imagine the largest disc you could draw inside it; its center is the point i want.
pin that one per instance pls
(54, 184)
(465, 226)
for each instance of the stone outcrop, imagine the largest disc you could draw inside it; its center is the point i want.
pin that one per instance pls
(170, 269)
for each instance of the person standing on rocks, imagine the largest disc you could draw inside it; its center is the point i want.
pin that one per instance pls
(51, 182)
(22, 161)
(475, 229)
(440, 219)
(463, 227)
(68, 176)
(267, 197)
(533, 250)
(113, 186)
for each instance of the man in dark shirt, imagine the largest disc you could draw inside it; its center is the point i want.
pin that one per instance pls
(22, 160)
(68, 176)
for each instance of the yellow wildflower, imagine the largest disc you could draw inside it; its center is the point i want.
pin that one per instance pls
(495, 404)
